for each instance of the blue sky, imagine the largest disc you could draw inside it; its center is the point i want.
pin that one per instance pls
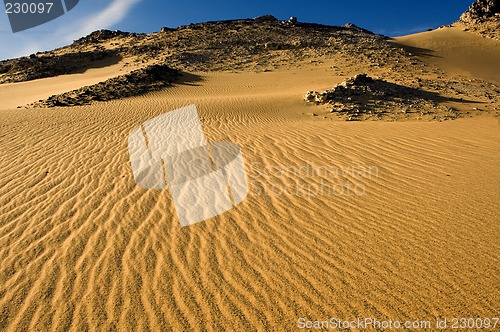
(390, 17)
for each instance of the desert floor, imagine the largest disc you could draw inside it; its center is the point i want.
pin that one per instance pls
(408, 229)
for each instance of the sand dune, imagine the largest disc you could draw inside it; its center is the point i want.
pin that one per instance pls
(457, 52)
(83, 248)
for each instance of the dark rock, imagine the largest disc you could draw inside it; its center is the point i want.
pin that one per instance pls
(355, 27)
(361, 79)
(265, 18)
(100, 36)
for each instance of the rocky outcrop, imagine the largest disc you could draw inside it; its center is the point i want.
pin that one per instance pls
(47, 65)
(480, 10)
(365, 98)
(166, 29)
(262, 44)
(355, 27)
(100, 36)
(265, 18)
(483, 18)
(135, 83)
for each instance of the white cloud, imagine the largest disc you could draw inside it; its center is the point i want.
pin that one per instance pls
(111, 15)
(77, 23)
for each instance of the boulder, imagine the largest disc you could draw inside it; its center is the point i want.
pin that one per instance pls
(362, 79)
(310, 96)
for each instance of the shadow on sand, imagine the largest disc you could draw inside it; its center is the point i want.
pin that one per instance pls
(418, 51)
(189, 79)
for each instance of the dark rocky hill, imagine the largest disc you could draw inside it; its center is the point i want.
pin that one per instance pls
(403, 85)
(248, 44)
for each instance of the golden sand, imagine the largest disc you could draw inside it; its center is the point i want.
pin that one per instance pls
(83, 248)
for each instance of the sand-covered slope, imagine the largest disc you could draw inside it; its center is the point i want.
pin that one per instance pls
(13, 95)
(457, 52)
(408, 228)
(262, 44)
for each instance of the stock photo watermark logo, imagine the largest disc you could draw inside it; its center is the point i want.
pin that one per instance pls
(171, 152)
(25, 15)
(311, 180)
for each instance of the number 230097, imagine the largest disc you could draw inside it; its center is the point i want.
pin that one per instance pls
(28, 8)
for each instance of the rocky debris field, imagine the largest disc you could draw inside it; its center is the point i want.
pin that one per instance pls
(135, 83)
(365, 98)
(265, 44)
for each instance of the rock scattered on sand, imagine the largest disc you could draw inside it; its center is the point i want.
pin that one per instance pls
(40, 65)
(365, 98)
(135, 83)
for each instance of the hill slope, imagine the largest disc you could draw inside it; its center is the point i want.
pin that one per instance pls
(262, 44)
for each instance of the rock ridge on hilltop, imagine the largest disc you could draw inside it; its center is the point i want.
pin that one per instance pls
(258, 44)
